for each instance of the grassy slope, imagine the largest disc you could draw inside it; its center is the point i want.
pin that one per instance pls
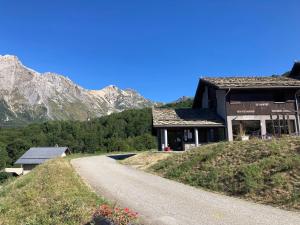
(51, 194)
(145, 160)
(262, 171)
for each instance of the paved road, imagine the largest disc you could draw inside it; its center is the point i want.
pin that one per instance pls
(163, 202)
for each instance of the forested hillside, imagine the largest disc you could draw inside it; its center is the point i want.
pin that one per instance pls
(130, 130)
(181, 103)
(126, 131)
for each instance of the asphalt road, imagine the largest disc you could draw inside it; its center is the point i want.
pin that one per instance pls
(164, 202)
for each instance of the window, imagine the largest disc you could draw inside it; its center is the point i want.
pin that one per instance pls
(280, 126)
(278, 97)
(188, 136)
(246, 128)
(249, 97)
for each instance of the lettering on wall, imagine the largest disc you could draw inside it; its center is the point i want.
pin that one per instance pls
(245, 111)
(262, 104)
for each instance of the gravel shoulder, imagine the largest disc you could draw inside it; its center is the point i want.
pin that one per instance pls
(164, 202)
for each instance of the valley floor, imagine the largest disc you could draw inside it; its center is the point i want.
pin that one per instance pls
(165, 202)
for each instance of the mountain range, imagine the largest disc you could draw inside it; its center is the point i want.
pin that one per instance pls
(27, 96)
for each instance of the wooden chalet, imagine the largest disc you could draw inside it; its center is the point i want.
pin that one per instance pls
(233, 108)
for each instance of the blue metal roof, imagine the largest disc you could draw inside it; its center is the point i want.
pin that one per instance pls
(40, 155)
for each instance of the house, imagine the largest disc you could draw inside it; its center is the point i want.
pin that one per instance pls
(36, 156)
(232, 108)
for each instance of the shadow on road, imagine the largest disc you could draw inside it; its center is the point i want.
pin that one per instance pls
(121, 156)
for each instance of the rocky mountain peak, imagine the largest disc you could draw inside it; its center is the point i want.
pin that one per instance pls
(183, 98)
(7, 61)
(9, 58)
(26, 95)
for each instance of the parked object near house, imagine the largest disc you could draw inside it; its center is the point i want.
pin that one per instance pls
(38, 155)
(233, 108)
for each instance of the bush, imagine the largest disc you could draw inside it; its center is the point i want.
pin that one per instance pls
(106, 214)
(252, 177)
(4, 176)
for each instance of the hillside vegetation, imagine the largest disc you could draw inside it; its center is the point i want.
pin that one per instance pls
(126, 131)
(51, 194)
(263, 171)
(130, 130)
(181, 103)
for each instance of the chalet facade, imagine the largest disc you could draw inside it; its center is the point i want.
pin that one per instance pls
(233, 108)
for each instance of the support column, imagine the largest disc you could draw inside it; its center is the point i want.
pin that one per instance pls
(229, 130)
(162, 139)
(166, 138)
(263, 128)
(296, 126)
(196, 137)
(158, 139)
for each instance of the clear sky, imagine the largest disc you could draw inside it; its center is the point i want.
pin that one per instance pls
(158, 47)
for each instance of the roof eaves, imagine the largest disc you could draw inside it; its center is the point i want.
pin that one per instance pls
(205, 81)
(257, 87)
(188, 125)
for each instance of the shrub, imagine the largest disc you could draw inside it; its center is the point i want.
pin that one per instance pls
(252, 176)
(4, 176)
(114, 215)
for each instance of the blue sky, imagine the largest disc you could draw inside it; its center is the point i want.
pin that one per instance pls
(158, 47)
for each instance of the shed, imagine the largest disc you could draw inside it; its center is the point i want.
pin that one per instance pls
(38, 155)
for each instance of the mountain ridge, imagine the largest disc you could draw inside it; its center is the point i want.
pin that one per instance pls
(29, 96)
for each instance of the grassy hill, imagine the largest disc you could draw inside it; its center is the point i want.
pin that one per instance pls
(262, 171)
(51, 194)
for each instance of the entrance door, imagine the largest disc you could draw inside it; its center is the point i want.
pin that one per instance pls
(175, 140)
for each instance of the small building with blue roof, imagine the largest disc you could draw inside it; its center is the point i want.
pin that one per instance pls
(38, 155)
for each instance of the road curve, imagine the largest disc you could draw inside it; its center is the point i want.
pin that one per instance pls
(164, 202)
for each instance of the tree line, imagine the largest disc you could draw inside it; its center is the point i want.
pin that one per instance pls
(129, 130)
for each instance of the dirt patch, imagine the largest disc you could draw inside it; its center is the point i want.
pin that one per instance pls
(146, 159)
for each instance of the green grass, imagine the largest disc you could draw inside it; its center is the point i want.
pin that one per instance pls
(263, 171)
(51, 194)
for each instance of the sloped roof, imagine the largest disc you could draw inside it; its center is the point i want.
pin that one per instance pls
(253, 82)
(40, 155)
(185, 118)
(295, 72)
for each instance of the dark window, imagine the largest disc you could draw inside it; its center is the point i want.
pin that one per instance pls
(278, 96)
(280, 126)
(236, 98)
(188, 136)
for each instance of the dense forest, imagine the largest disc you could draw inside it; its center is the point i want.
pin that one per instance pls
(130, 130)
